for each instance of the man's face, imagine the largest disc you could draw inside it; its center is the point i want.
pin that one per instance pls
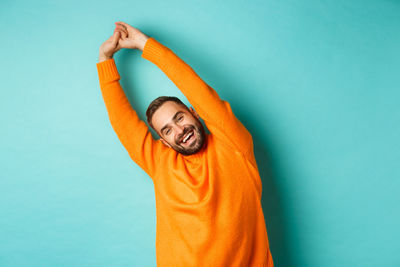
(179, 128)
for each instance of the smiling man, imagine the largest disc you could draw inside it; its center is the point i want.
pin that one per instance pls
(207, 186)
(178, 126)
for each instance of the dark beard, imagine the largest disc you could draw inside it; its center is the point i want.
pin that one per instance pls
(201, 136)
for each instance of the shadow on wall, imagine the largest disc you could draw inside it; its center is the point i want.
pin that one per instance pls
(272, 194)
(275, 217)
(273, 208)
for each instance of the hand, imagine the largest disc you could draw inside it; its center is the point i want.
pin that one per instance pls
(130, 37)
(110, 46)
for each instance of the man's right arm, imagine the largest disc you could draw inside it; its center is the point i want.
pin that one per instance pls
(131, 131)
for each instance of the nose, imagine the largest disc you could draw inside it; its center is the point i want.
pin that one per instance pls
(179, 129)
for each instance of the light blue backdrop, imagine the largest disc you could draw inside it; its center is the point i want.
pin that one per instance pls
(316, 82)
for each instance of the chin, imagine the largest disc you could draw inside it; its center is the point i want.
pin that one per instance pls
(199, 143)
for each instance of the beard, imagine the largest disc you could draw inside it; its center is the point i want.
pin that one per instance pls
(196, 145)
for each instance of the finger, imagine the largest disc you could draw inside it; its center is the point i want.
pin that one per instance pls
(122, 29)
(122, 33)
(118, 47)
(120, 26)
(120, 43)
(123, 24)
(116, 37)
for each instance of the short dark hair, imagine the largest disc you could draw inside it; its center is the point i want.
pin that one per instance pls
(156, 103)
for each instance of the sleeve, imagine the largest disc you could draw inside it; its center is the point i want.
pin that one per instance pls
(216, 113)
(131, 131)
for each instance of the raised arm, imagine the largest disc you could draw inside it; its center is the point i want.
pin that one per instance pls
(216, 113)
(131, 131)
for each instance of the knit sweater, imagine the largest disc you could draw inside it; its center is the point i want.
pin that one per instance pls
(208, 204)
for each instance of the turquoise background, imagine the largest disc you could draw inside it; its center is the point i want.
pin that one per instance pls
(316, 83)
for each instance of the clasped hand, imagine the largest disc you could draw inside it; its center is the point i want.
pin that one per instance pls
(124, 36)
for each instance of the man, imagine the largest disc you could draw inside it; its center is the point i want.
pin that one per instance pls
(207, 186)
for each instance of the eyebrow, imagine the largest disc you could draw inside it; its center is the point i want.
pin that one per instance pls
(174, 118)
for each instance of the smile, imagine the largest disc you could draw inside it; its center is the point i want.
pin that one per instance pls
(188, 138)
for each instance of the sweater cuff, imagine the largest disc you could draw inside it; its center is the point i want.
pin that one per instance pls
(153, 49)
(107, 71)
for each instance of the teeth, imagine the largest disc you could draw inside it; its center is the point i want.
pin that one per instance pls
(187, 137)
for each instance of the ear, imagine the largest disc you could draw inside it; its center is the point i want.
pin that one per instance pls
(165, 142)
(194, 113)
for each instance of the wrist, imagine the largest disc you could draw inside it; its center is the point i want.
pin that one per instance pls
(103, 57)
(142, 41)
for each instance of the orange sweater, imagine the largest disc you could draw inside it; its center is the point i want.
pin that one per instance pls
(208, 205)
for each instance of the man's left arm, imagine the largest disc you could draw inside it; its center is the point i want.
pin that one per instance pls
(216, 113)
